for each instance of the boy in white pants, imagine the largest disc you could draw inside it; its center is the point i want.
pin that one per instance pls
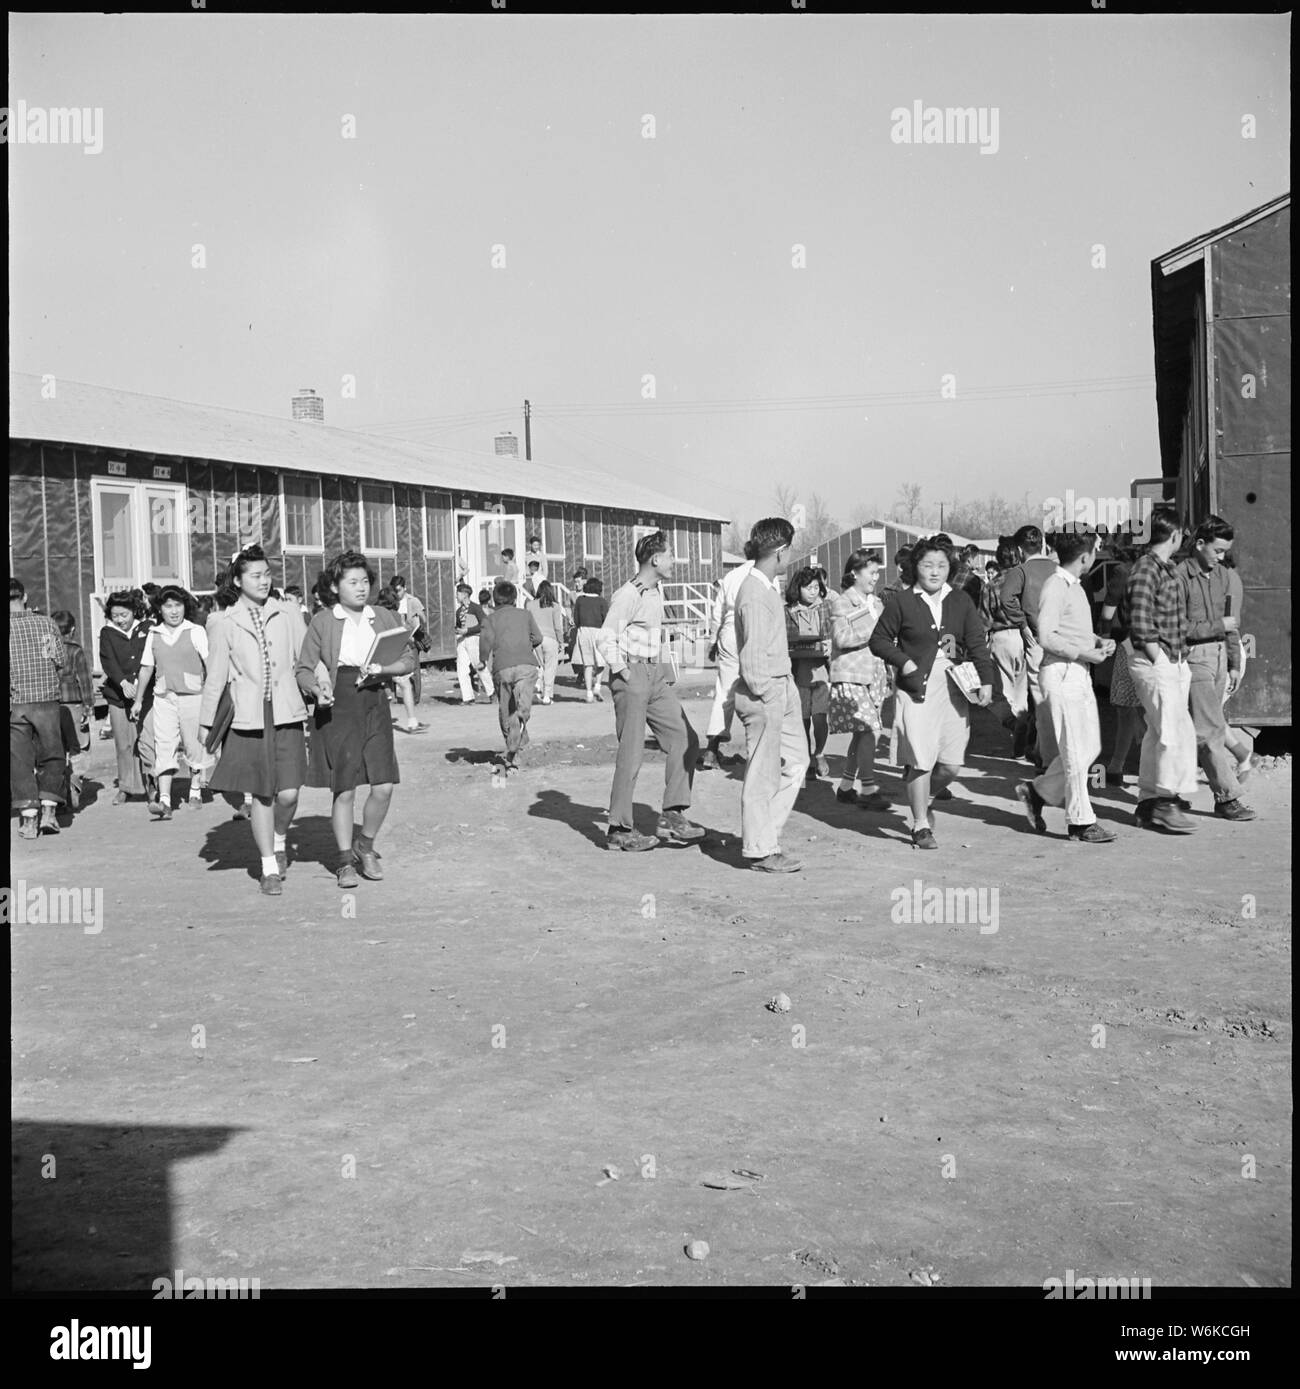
(1070, 649)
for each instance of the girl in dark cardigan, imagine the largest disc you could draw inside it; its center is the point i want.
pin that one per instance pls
(924, 630)
(121, 644)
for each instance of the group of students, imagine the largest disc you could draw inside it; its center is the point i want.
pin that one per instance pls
(794, 666)
(1020, 639)
(251, 668)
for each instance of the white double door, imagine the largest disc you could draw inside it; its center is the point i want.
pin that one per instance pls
(141, 536)
(480, 538)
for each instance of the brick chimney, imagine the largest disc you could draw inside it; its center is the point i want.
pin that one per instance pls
(506, 445)
(307, 405)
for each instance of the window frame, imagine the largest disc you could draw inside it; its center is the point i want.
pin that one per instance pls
(296, 549)
(681, 553)
(426, 493)
(558, 518)
(599, 513)
(366, 546)
(706, 537)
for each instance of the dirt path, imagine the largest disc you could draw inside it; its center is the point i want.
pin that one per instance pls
(513, 1009)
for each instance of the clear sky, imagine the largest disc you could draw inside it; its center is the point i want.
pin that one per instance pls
(627, 256)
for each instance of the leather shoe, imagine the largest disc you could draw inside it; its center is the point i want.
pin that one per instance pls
(368, 863)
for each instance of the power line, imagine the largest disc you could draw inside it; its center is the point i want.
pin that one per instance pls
(758, 404)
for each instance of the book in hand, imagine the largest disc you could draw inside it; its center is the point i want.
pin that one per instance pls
(222, 720)
(387, 647)
(967, 680)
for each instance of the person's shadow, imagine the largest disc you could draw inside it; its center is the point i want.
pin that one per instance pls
(473, 757)
(588, 820)
(230, 845)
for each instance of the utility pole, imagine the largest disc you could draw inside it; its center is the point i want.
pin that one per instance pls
(528, 432)
(941, 516)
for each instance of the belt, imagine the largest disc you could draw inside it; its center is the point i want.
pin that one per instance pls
(642, 661)
(1204, 641)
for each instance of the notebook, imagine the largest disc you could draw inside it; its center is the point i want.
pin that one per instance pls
(967, 680)
(388, 646)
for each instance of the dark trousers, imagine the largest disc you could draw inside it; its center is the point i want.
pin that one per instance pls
(642, 695)
(36, 757)
(515, 706)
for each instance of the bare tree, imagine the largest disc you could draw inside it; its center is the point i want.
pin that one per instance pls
(909, 502)
(864, 513)
(820, 525)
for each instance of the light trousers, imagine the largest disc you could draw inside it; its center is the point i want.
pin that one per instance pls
(777, 752)
(176, 724)
(1011, 683)
(1168, 765)
(466, 659)
(550, 654)
(1042, 720)
(724, 697)
(1072, 709)
(1208, 664)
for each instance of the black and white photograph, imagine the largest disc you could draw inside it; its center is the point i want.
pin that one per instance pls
(650, 656)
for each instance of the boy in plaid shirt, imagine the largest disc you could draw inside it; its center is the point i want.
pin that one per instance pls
(1154, 610)
(36, 758)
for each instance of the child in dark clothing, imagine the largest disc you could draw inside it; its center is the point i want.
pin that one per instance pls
(77, 699)
(508, 639)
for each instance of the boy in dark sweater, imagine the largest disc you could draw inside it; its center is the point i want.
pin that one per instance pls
(507, 640)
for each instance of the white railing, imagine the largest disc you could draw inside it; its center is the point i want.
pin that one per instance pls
(688, 607)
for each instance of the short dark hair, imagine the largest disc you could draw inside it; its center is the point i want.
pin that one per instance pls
(152, 590)
(63, 620)
(484, 595)
(655, 543)
(340, 564)
(128, 599)
(1028, 540)
(809, 574)
(545, 594)
(507, 554)
(464, 588)
(387, 598)
(1009, 553)
(1211, 529)
(534, 564)
(933, 544)
(534, 539)
(228, 588)
(856, 562)
(295, 589)
(580, 572)
(397, 581)
(1071, 544)
(903, 556)
(1164, 522)
(16, 590)
(770, 534)
(592, 586)
(175, 593)
(503, 593)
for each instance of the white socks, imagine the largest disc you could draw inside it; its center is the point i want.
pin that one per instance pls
(278, 843)
(269, 866)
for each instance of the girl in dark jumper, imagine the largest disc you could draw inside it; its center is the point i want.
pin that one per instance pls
(352, 741)
(921, 633)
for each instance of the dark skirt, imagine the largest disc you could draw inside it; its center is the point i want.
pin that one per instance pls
(262, 763)
(352, 742)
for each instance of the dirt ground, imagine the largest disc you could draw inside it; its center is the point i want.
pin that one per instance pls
(424, 1082)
